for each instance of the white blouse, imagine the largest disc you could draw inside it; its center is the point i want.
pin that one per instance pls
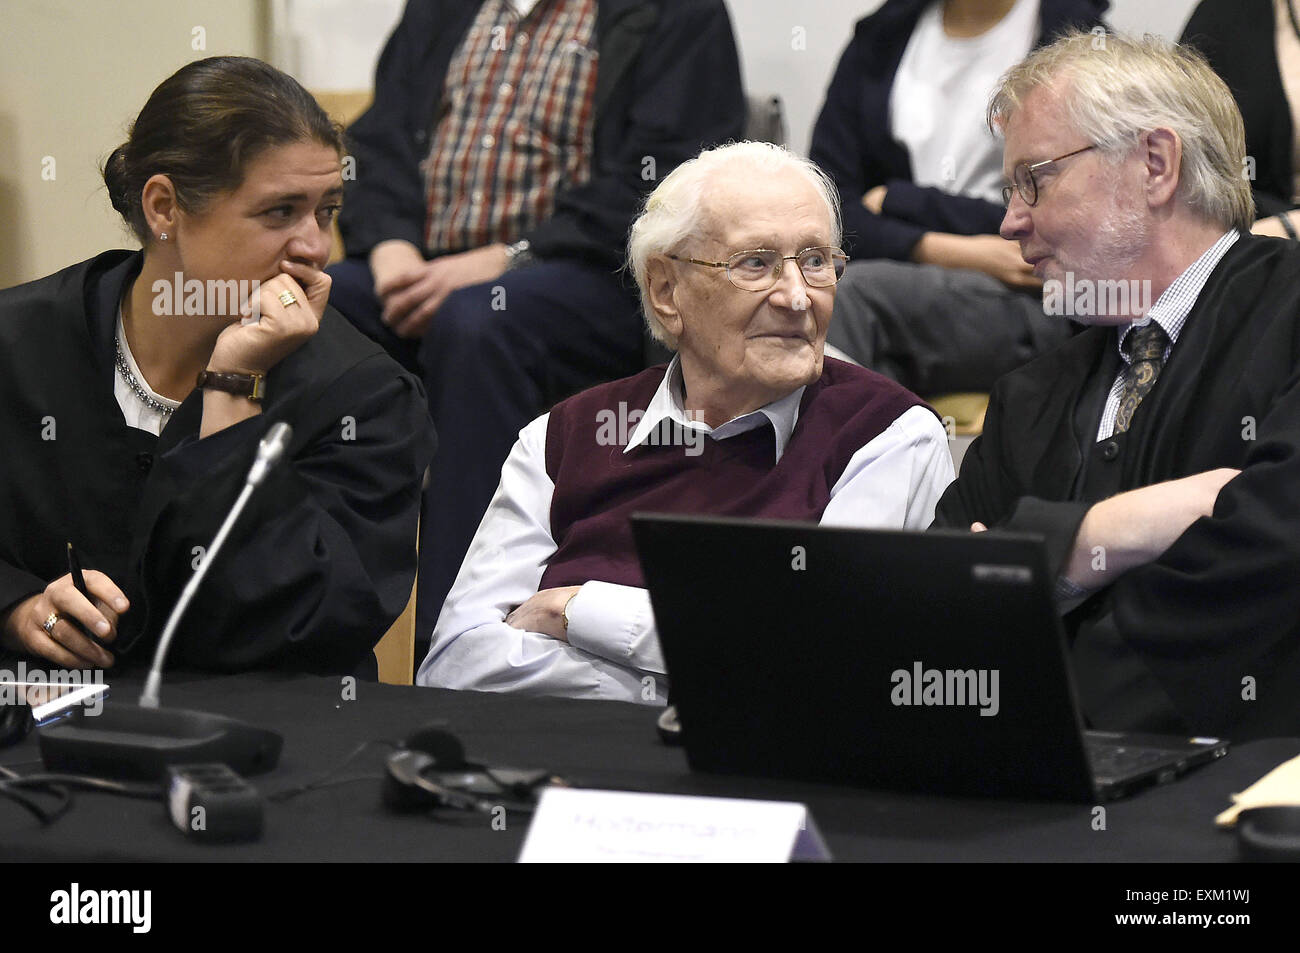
(135, 411)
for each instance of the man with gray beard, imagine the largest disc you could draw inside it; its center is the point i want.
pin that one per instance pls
(1157, 452)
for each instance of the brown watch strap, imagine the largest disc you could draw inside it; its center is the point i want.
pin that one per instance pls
(252, 386)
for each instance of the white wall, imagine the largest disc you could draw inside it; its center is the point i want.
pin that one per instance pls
(332, 44)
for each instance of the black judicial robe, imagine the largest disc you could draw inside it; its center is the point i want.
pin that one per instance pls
(1205, 639)
(321, 561)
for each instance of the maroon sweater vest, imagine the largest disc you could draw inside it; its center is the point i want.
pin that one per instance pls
(598, 486)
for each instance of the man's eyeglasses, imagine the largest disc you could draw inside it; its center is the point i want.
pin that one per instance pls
(1026, 184)
(758, 269)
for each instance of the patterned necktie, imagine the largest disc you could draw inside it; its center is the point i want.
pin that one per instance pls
(1146, 350)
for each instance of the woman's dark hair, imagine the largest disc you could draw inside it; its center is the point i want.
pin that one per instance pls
(203, 125)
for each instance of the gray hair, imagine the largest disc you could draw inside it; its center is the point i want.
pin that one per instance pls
(673, 213)
(1115, 88)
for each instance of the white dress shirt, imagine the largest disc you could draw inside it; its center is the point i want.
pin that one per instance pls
(1170, 312)
(893, 482)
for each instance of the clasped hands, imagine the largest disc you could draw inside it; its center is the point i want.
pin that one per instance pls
(991, 254)
(411, 289)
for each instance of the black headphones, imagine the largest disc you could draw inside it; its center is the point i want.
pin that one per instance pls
(415, 777)
(431, 771)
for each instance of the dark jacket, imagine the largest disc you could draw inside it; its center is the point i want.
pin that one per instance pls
(321, 561)
(853, 143)
(1205, 639)
(1237, 38)
(667, 85)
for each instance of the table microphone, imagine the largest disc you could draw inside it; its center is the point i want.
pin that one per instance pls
(140, 742)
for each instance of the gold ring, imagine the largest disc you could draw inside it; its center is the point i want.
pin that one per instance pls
(287, 298)
(48, 624)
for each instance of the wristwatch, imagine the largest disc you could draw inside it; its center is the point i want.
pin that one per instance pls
(1287, 227)
(519, 254)
(564, 613)
(252, 386)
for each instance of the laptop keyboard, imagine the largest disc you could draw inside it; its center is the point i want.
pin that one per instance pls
(1112, 760)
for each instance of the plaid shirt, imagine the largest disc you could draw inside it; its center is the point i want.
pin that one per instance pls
(1170, 312)
(515, 123)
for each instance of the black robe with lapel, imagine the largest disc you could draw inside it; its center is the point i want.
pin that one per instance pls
(1205, 639)
(321, 561)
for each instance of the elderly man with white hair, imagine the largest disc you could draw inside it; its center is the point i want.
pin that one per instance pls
(736, 255)
(1158, 451)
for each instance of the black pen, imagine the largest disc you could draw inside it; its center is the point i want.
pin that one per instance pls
(78, 580)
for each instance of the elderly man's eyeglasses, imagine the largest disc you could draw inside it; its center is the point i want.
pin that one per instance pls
(758, 269)
(1026, 184)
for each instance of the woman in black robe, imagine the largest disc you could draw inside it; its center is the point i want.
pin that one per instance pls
(137, 385)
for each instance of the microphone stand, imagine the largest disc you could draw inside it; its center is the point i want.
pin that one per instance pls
(140, 742)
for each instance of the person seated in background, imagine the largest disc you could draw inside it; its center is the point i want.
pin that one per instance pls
(935, 298)
(1158, 452)
(1254, 45)
(736, 256)
(508, 147)
(137, 385)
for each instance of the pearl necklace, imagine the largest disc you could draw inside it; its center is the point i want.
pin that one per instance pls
(136, 387)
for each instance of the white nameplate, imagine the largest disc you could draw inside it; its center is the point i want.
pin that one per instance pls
(578, 825)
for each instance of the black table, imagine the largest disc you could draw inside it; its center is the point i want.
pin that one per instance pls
(594, 744)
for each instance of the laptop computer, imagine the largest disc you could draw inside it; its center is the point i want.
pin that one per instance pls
(919, 661)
